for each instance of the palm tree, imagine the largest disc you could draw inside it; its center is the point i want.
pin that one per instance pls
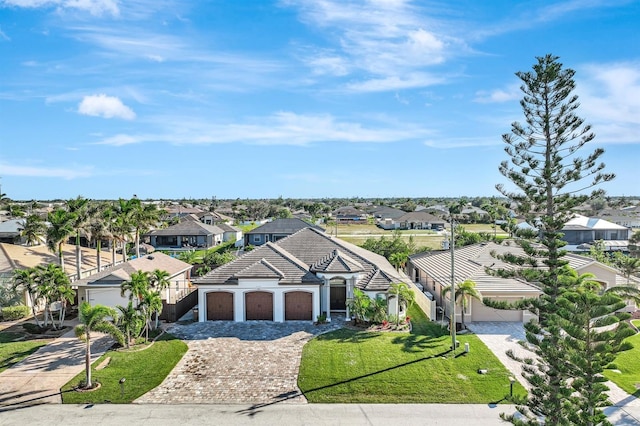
(122, 224)
(151, 303)
(629, 266)
(54, 286)
(130, 322)
(136, 286)
(33, 229)
(79, 208)
(404, 298)
(463, 291)
(61, 227)
(159, 281)
(94, 318)
(142, 218)
(26, 279)
(98, 228)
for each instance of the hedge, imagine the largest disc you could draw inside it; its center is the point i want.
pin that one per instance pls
(11, 313)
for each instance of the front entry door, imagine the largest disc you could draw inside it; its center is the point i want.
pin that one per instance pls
(338, 298)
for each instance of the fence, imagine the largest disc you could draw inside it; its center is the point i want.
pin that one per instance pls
(172, 312)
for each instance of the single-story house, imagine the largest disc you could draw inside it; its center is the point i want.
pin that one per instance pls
(414, 220)
(276, 230)
(433, 271)
(186, 235)
(587, 230)
(104, 287)
(349, 215)
(383, 213)
(10, 231)
(295, 278)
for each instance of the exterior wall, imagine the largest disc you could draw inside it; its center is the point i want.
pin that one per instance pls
(604, 275)
(245, 286)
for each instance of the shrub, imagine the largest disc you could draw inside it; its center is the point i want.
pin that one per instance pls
(10, 313)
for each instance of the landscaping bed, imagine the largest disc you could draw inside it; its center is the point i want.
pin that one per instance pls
(362, 366)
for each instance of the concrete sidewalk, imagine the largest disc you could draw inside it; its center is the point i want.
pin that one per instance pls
(503, 336)
(38, 378)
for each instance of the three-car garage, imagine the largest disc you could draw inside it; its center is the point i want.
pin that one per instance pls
(293, 305)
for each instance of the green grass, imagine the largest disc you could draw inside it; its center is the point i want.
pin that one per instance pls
(628, 363)
(349, 366)
(13, 349)
(143, 370)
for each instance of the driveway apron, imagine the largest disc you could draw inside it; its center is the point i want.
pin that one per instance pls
(38, 378)
(230, 362)
(502, 336)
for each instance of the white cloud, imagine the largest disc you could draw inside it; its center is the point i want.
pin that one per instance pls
(94, 7)
(282, 128)
(10, 169)
(106, 107)
(610, 100)
(499, 95)
(391, 41)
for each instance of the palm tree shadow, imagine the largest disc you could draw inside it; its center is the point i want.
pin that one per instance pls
(255, 409)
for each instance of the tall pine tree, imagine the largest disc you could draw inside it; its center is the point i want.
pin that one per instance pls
(549, 178)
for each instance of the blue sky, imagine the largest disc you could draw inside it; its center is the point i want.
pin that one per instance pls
(296, 98)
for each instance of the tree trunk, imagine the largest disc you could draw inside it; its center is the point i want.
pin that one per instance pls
(87, 362)
(137, 244)
(78, 258)
(99, 259)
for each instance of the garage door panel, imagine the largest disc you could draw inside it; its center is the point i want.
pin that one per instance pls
(220, 306)
(259, 306)
(106, 296)
(298, 306)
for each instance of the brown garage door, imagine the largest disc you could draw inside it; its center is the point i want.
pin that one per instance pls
(298, 306)
(258, 305)
(220, 306)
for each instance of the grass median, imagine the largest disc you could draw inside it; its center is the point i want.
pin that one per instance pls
(142, 368)
(357, 366)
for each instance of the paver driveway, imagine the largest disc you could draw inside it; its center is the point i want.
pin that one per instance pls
(229, 362)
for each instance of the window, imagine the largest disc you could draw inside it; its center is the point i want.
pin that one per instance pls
(257, 239)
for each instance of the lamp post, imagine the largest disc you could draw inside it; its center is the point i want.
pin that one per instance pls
(453, 291)
(512, 380)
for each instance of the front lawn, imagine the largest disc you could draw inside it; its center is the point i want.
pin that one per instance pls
(14, 348)
(142, 370)
(349, 366)
(627, 365)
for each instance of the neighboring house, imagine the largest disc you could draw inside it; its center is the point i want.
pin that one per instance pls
(587, 230)
(628, 216)
(385, 213)
(349, 215)
(180, 211)
(276, 230)
(186, 235)
(415, 220)
(104, 287)
(214, 218)
(10, 231)
(296, 278)
(433, 272)
(14, 257)
(231, 233)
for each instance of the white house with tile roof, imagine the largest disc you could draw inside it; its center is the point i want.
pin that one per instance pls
(104, 287)
(433, 271)
(296, 278)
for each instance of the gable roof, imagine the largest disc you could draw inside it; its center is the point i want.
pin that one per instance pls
(580, 222)
(188, 227)
(122, 272)
(301, 254)
(471, 261)
(266, 261)
(422, 216)
(337, 262)
(283, 226)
